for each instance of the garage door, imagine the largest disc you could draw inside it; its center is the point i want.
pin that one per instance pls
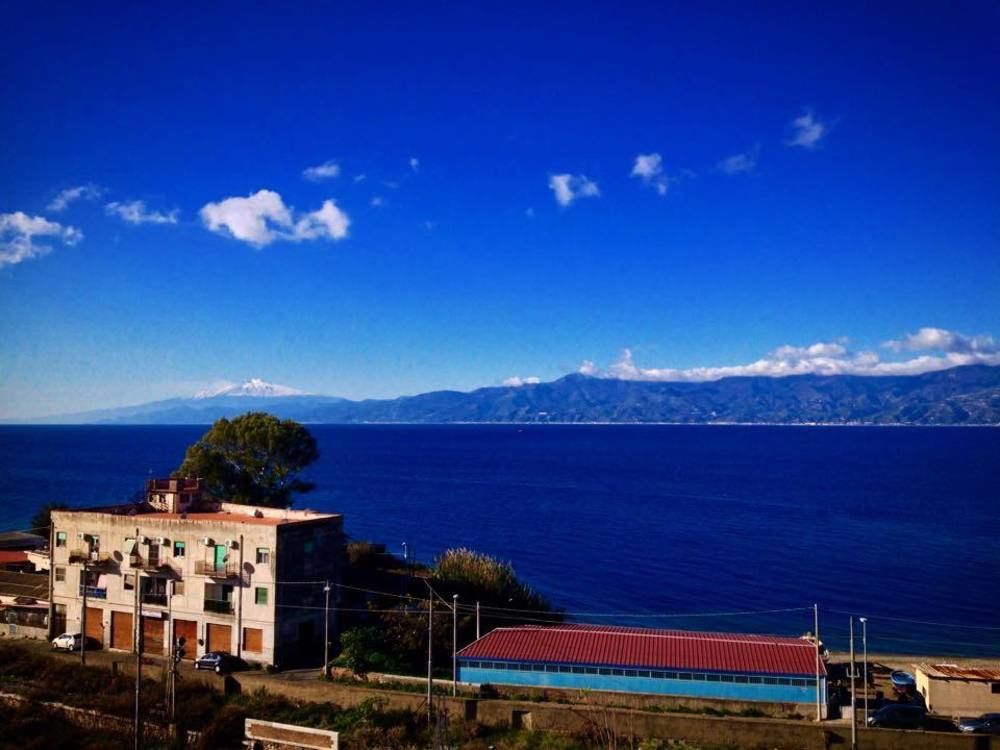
(188, 630)
(220, 638)
(253, 640)
(95, 624)
(152, 635)
(121, 630)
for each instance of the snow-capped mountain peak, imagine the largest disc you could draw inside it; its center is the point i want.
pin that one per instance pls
(254, 387)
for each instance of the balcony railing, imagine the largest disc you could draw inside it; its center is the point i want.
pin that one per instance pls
(93, 592)
(156, 600)
(219, 606)
(145, 563)
(223, 570)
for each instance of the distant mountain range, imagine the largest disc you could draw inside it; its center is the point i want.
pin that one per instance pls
(959, 396)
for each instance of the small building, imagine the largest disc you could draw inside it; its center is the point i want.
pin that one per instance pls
(241, 579)
(24, 605)
(952, 690)
(729, 666)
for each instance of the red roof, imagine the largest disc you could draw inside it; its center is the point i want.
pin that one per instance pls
(648, 648)
(13, 556)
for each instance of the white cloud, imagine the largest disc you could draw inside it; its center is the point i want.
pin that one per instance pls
(942, 340)
(568, 187)
(649, 169)
(263, 217)
(517, 382)
(135, 212)
(360, 177)
(807, 130)
(325, 171)
(743, 163)
(18, 232)
(376, 201)
(414, 163)
(823, 358)
(73, 194)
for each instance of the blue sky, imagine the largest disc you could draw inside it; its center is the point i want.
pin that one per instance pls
(505, 191)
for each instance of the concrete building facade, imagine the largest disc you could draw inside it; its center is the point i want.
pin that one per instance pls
(226, 577)
(952, 690)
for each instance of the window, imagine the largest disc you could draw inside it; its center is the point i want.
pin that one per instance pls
(995, 688)
(699, 677)
(618, 672)
(129, 582)
(742, 679)
(686, 676)
(770, 680)
(178, 588)
(309, 546)
(565, 669)
(60, 538)
(578, 670)
(260, 595)
(551, 668)
(590, 670)
(670, 675)
(605, 671)
(630, 673)
(179, 549)
(642, 673)
(264, 556)
(538, 668)
(60, 575)
(799, 683)
(657, 675)
(727, 678)
(755, 680)
(713, 678)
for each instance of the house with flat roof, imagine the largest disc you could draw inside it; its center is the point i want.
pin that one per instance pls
(729, 666)
(959, 691)
(242, 579)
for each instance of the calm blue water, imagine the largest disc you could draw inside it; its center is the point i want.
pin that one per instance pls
(630, 524)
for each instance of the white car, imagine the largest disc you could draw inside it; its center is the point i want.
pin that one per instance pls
(67, 642)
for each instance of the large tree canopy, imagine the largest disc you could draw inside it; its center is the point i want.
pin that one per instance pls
(253, 459)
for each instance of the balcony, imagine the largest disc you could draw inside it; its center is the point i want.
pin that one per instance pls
(223, 570)
(93, 592)
(145, 563)
(219, 606)
(155, 600)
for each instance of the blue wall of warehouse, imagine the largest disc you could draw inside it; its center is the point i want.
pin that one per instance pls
(687, 688)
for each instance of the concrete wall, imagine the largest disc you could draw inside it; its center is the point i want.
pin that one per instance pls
(692, 688)
(952, 697)
(752, 734)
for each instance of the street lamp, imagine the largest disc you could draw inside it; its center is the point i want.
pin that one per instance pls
(454, 644)
(864, 646)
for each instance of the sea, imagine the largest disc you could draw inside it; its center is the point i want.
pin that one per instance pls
(723, 528)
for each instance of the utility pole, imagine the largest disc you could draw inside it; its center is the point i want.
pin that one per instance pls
(864, 645)
(454, 644)
(430, 648)
(244, 583)
(137, 730)
(819, 710)
(854, 703)
(83, 615)
(326, 629)
(477, 621)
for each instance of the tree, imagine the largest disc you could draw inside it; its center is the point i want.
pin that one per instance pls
(254, 459)
(41, 521)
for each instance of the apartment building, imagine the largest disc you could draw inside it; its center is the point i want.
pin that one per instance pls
(242, 579)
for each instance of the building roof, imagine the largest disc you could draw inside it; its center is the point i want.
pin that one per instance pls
(648, 648)
(225, 513)
(8, 556)
(15, 584)
(18, 540)
(955, 672)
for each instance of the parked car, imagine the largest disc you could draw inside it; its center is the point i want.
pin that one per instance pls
(985, 724)
(67, 642)
(899, 716)
(218, 662)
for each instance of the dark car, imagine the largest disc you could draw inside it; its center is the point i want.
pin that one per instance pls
(899, 716)
(218, 662)
(985, 724)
